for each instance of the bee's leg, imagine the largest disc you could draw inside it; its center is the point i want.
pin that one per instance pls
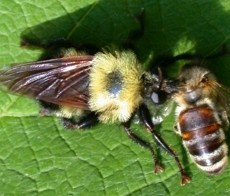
(224, 118)
(86, 122)
(157, 165)
(146, 119)
(176, 130)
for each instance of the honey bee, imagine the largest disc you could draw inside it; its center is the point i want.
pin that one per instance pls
(108, 87)
(201, 114)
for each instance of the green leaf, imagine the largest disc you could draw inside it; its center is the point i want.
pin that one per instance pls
(39, 156)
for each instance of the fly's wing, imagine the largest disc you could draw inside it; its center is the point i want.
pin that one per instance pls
(62, 81)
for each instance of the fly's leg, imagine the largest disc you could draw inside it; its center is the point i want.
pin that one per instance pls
(48, 109)
(157, 165)
(86, 122)
(146, 119)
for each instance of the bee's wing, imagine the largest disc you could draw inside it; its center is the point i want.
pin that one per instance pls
(61, 81)
(222, 104)
(223, 95)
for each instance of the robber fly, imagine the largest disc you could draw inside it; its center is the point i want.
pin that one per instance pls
(110, 86)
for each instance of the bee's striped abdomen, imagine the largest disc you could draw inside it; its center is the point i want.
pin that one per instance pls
(204, 138)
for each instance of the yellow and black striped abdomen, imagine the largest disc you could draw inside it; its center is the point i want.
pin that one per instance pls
(204, 138)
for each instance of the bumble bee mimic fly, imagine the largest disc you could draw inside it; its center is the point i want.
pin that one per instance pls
(202, 118)
(105, 87)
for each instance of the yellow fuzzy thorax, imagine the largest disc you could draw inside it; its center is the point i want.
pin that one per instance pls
(123, 105)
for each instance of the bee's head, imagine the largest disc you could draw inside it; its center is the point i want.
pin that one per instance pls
(195, 84)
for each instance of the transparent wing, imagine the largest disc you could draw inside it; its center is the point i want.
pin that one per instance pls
(223, 104)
